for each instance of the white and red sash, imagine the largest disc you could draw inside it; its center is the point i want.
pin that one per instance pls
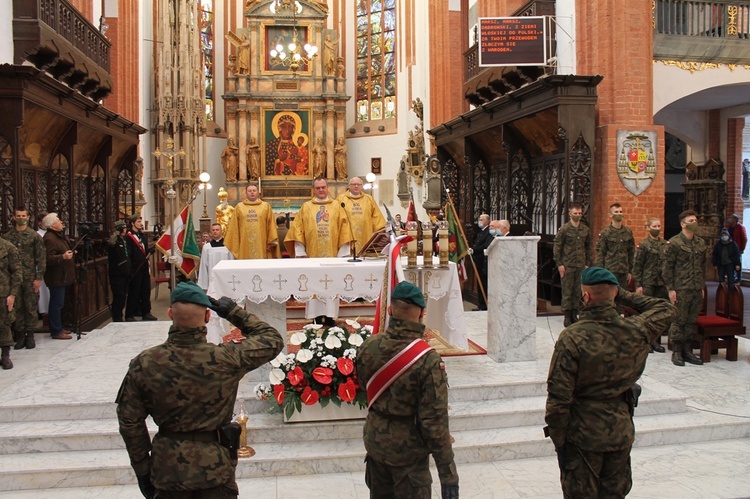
(138, 242)
(394, 368)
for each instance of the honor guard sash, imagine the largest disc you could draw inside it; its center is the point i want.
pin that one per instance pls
(394, 368)
(138, 242)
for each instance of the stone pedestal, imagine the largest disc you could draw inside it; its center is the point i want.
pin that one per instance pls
(511, 298)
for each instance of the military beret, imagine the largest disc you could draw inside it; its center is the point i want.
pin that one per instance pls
(134, 217)
(189, 292)
(408, 292)
(597, 275)
(120, 224)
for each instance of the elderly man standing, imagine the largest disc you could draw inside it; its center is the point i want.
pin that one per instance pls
(364, 215)
(481, 243)
(591, 387)
(33, 257)
(408, 406)
(320, 230)
(251, 232)
(59, 274)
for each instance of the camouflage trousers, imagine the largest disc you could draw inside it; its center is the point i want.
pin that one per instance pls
(658, 292)
(6, 318)
(220, 492)
(622, 278)
(392, 482)
(689, 304)
(595, 474)
(571, 288)
(26, 308)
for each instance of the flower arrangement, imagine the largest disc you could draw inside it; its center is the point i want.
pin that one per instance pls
(322, 370)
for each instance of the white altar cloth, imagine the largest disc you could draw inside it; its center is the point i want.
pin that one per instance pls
(257, 281)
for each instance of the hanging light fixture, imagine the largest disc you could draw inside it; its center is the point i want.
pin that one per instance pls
(291, 55)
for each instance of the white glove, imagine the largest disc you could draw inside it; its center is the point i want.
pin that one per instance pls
(470, 251)
(173, 260)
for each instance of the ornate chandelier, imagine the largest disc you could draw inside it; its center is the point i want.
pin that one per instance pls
(291, 56)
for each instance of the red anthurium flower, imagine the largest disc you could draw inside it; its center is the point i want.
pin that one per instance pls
(278, 393)
(310, 396)
(347, 391)
(295, 376)
(346, 366)
(323, 375)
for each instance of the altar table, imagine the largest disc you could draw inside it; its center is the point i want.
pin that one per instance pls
(274, 282)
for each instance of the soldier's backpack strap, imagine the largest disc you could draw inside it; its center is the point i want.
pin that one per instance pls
(394, 368)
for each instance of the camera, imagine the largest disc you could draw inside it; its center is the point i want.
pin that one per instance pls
(88, 228)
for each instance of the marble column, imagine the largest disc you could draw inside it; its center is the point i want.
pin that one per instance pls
(511, 298)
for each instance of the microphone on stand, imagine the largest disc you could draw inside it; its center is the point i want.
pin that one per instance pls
(354, 241)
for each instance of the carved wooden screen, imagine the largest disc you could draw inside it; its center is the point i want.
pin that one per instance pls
(580, 175)
(520, 189)
(498, 191)
(481, 190)
(59, 192)
(35, 188)
(6, 182)
(123, 194)
(97, 196)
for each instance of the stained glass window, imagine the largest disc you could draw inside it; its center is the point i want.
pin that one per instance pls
(207, 48)
(376, 60)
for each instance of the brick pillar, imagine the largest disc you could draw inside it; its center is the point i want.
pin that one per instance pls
(123, 33)
(714, 134)
(735, 127)
(448, 42)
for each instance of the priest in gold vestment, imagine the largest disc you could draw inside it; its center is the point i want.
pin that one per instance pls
(320, 230)
(362, 211)
(251, 232)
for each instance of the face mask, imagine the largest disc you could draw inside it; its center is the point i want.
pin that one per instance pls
(692, 227)
(617, 218)
(481, 225)
(725, 239)
(576, 218)
(20, 221)
(495, 232)
(654, 232)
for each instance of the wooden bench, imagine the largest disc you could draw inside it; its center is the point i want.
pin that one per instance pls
(714, 332)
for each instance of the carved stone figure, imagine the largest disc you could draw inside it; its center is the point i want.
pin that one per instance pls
(253, 160)
(339, 160)
(319, 159)
(330, 54)
(229, 160)
(340, 68)
(224, 210)
(243, 52)
(418, 108)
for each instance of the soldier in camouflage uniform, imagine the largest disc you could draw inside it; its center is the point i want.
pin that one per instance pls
(684, 268)
(189, 386)
(648, 270)
(572, 254)
(33, 257)
(594, 366)
(409, 421)
(10, 283)
(615, 248)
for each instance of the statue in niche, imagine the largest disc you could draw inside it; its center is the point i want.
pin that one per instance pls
(418, 108)
(339, 160)
(138, 164)
(243, 52)
(229, 160)
(340, 68)
(330, 53)
(321, 4)
(253, 160)
(319, 159)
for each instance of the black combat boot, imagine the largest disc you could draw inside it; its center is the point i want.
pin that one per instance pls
(574, 315)
(656, 347)
(568, 318)
(677, 354)
(5, 360)
(687, 354)
(20, 340)
(30, 342)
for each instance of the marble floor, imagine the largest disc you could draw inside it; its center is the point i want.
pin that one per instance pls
(713, 469)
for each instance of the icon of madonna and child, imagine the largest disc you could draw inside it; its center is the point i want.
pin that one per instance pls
(287, 153)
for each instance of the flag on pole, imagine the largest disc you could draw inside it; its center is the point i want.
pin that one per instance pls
(457, 245)
(411, 216)
(392, 275)
(186, 245)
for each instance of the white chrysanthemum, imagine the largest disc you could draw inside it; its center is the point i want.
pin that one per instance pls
(355, 339)
(353, 323)
(332, 342)
(304, 355)
(298, 338)
(350, 353)
(276, 376)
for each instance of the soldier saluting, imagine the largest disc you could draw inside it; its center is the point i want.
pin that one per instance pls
(407, 393)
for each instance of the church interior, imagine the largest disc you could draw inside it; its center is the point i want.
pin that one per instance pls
(121, 107)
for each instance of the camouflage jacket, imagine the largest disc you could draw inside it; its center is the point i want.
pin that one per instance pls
(573, 246)
(595, 361)
(10, 270)
(189, 385)
(31, 252)
(410, 419)
(649, 262)
(685, 263)
(615, 250)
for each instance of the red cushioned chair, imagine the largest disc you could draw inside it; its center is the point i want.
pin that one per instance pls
(162, 276)
(720, 330)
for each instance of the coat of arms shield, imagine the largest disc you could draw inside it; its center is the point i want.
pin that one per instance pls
(636, 165)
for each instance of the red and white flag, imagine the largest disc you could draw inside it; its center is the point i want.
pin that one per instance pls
(186, 244)
(394, 274)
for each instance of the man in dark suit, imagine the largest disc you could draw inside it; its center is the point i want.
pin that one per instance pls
(139, 289)
(481, 243)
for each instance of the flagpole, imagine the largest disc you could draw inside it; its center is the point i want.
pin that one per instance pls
(463, 234)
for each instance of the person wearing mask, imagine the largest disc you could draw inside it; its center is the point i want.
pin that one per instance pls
(59, 272)
(648, 269)
(119, 269)
(615, 249)
(726, 258)
(481, 243)
(572, 254)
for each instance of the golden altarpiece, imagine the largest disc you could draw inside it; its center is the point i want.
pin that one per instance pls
(285, 122)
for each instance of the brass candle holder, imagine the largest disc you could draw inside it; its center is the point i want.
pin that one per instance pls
(244, 450)
(427, 249)
(443, 243)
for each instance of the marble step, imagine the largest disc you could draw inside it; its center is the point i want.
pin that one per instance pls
(111, 467)
(93, 434)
